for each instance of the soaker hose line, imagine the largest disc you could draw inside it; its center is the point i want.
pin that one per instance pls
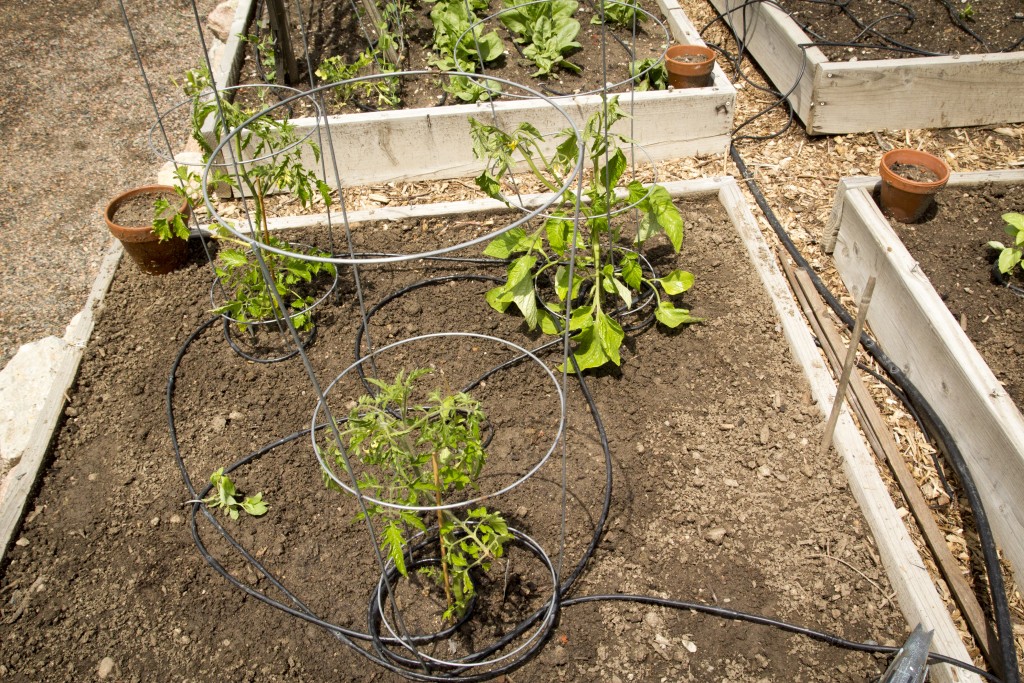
(997, 588)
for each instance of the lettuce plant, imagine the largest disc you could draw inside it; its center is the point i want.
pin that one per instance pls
(547, 29)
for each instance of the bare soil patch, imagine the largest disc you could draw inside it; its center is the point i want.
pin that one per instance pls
(881, 29)
(952, 247)
(715, 497)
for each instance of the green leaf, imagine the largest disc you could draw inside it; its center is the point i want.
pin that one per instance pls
(393, 544)
(559, 232)
(996, 245)
(520, 288)
(622, 290)
(670, 316)
(491, 187)
(1015, 219)
(1008, 258)
(610, 173)
(677, 282)
(507, 243)
(667, 215)
(599, 343)
(632, 273)
(254, 505)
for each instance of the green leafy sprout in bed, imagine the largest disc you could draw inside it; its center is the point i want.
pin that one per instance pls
(421, 453)
(280, 146)
(1010, 256)
(608, 278)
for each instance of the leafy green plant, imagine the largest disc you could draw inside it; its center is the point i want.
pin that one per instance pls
(278, 147)
(416, 455)
(264, 45)
(168, 221)
(452, 20)
(1010, 256)
(607, 277)
(620, 12)
(966, 13)
(548, 30)
(250, 300)
(385, 90)
(649, 74)
(224, 496)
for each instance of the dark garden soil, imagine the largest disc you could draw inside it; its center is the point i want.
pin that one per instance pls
(951, 246)
(718, 495)
(335, 31)
(909, 29)
(919, 174)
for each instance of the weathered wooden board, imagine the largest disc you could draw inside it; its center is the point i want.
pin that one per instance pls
(869, 95)
(914, 589)
(433, 143)
(914, 327)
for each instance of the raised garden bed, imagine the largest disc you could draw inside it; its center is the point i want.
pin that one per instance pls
(914, 326)
(374, 147)
(713, 497)
(844, 97)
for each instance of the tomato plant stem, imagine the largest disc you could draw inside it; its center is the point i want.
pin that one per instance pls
(440, 525)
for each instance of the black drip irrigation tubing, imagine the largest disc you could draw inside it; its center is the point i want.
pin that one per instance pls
(997, 588)
(413, 669)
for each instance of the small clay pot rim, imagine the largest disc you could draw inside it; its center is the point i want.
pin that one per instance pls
(917, 158)
(690, 68)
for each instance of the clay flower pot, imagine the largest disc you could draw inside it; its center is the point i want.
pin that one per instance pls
(689, 66)
(905, 199)
(149, 253)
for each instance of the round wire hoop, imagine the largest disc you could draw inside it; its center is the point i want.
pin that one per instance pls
(352, 259)
(604, 88)
(471, 661)
(348, 485)
(521, 205)
(293, 94)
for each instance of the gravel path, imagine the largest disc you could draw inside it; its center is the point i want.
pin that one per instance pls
(73, 121)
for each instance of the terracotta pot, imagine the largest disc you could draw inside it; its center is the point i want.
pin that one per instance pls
(904, 199)
(149, 253)
(695, 74)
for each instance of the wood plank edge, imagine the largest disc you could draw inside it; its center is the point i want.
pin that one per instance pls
(917, 595)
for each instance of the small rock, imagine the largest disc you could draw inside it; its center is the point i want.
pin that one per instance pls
(93, 477)
(731, 483)
(218, 423)
(412, 307)
(715, 535)
(154, 522)
(522, 511)
(640, 448)
(654, 620)
(175, 519)
(555, 656)
(235, 415)
(105, 668)
(764, 471)
(21, 542)
(219, 20)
